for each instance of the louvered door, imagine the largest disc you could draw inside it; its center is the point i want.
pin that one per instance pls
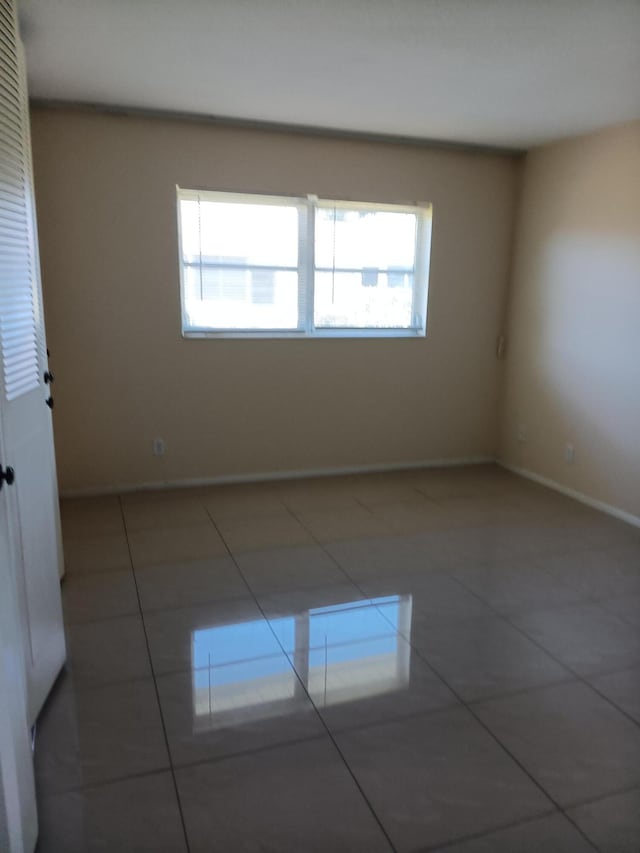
(31, 500)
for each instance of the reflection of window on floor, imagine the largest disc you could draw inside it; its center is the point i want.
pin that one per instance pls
(341, 653)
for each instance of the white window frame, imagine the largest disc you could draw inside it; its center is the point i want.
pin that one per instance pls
(307, 207)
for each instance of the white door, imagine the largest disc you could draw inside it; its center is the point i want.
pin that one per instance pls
(18, 817)
(31, 501)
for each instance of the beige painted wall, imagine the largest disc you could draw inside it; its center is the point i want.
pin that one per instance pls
(573, 365)
(105, 188)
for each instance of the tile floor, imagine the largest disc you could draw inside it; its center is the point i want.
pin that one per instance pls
(428, 660)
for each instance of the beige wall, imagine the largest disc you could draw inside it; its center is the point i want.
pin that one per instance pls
(105, 188)
(573, 366)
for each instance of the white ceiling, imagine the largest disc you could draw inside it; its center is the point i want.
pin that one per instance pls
(512, 73)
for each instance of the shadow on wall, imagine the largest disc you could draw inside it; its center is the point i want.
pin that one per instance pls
(574, 371)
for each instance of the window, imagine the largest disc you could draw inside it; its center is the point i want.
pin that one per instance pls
(301, 267)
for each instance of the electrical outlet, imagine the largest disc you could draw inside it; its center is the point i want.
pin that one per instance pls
(522, 432)
(569, 453)
(158, 447)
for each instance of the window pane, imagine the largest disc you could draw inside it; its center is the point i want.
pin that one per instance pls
(240, 265)
(350, 300)
(358, 239)
(365, 265)
(255, 234)
(245, 298)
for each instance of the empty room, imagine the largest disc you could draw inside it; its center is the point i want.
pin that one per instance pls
(319, 426)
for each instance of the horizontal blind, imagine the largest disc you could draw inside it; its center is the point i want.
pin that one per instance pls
(240, 260)
(18, 319)
(365, 260)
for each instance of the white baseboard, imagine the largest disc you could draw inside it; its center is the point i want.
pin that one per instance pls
(299, 474)
(615, 511)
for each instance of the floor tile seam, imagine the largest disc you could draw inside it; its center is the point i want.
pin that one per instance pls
(451, 705)
(73, 623)
(582, 679)
(158, 528)
(206, 761)
(616, 671)
(157, 695)
(494, 737)
(179, 608)
(142, 566)
(321, 545)
(187, 670)
(619, 616)
(89, 573)
(619, 708)
(477, 836)
(576, 675)
(572, 675)
(497, 614)
(469, 707)
(43, 794)
(313, 705)
(81, 687)
(590, 801)
(519, 691)
(520, 610)
(88, 537)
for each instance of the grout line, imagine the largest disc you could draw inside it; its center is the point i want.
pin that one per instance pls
(503, 617)
(103, 783)
(297, 676)
(478, 836)
(463, 703)
(434, 848)
(541, 687)
(576, 676)
(155, 687)
(503, 746)
(488, 730)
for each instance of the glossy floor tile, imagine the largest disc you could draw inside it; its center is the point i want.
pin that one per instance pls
(107, 651)
(99, 734)
(485, 657)
(570, 739)
(208, 716)
(612, 824)
(599, 573)
(182, 584)
(436, 599)
(413, 661)
(627, 607)
(553, 833)
(179, 512)
(292, 798)
(622, 689)
(192, 637)
(104, 553)
(103, 595)
(138, 815)
(516, 584)
(585, 637)
(331, 525)
(174, 544)
(435, 778)
(92, 517)
(352, 661)
(364, 559)
(288, 568)
(258, 532)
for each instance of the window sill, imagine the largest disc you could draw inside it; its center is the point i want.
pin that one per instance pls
(303, 335)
